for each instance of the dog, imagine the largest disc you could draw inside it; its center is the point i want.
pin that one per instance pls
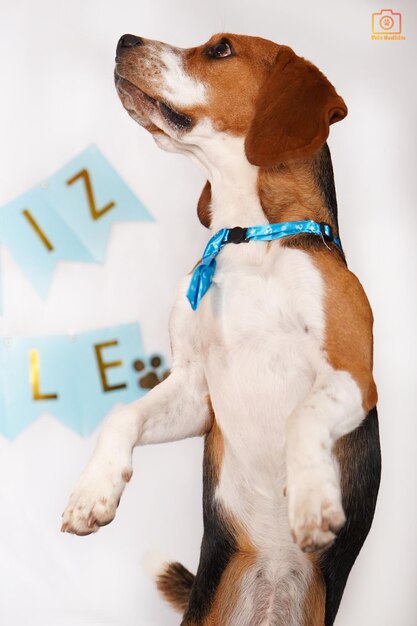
(271, 340)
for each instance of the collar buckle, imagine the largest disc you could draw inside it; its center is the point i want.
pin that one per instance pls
(237, 235)
(326, 232)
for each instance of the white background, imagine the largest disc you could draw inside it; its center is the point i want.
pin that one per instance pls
(57, 97)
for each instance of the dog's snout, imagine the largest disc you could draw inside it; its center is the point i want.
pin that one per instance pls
(129, 41)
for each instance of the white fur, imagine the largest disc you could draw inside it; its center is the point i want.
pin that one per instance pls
(177, 86)
(174, 410)
(256, 347)
(270, 597)
(235, 200)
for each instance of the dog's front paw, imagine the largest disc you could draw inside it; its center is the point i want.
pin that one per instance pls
(315, 510)
(94, 501)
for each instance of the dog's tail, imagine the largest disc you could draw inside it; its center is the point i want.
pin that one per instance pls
(172, 579)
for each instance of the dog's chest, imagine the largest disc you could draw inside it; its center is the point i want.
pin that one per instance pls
(261, 335)
(265, 307)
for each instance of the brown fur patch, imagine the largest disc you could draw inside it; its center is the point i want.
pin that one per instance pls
(294, 109)
(229, 589)
(208, 427)
(214, 447)
(349, 321)
(203, 206)
(289, 193)
(315, 599)
(231, 80)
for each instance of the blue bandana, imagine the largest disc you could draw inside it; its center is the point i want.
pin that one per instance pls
(203, 274)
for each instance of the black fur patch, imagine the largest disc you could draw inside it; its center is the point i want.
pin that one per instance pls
(359, 456)
(323, 173)
(324, 177)
(217, 547)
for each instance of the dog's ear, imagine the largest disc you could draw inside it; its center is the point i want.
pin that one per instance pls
(295, 107)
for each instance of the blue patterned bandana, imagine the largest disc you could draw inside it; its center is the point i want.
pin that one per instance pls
(203, 274)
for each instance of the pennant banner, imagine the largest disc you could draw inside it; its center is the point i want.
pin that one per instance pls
(37, 237)
(90, 195)
(68, 217)
(77, 378)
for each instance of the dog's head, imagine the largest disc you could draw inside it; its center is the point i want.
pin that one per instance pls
(277, 102)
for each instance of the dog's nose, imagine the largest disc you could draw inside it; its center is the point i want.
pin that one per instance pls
(129, 41)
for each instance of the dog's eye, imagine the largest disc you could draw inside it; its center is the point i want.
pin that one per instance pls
(220, 50)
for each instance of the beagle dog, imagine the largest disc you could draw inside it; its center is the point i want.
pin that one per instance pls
(271, 341)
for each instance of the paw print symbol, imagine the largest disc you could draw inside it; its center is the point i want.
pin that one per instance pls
(387, 22)
(153, 372)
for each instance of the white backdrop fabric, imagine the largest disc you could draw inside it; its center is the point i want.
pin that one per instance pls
(56, 61)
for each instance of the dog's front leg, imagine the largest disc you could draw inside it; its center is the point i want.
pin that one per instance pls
(332, 409)
(175, 409)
